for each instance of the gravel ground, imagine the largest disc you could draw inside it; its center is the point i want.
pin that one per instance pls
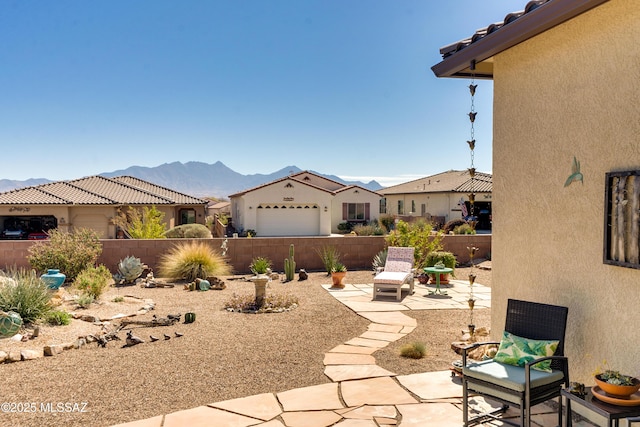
(223, 355)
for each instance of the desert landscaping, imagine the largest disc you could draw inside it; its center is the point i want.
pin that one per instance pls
(222, 355)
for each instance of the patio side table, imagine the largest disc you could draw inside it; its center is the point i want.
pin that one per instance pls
(613, 413)
(437, 272)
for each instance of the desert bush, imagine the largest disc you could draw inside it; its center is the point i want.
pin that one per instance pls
(85, 300)
(27, 295)
(192, 260)
(119, 298)
(452, 224)
(330, 257)
(273, 303)
(188, 231)
(414, 350)
(93, 280)
(68, 252)
(147, 223)
(464, 229)
(57, 318)
(368, 230)
(417, 234)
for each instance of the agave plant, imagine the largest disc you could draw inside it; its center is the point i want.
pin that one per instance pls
(129, 269)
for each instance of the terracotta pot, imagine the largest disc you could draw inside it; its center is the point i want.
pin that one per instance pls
(618, 390)
(338, 278)
(444, 278)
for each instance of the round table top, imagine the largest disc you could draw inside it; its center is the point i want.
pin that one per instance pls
(434, 270)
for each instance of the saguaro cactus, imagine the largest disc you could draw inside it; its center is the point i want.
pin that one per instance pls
(290, 265)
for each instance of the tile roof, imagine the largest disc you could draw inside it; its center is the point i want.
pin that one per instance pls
(537, 17)
(98, 190)
(446, 182)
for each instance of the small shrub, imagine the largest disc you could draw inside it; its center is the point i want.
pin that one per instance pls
(273, 303)
(452, 224)
(387, 221)
(27, 295)
(414, 350)
(368, 230)
(118, 299)
(85, 300)
(188, 231)
(345, 227)
(192, 260)
(93, 280)
(464, 229)
(68, 252)
(57, 318)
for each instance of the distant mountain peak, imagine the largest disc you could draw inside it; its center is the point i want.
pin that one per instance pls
(196, 178)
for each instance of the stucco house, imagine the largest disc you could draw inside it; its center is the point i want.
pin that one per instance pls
(566, 84)
(442, 197)
(302, 204)
(91, 202)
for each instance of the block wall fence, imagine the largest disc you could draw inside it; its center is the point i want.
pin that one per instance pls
(356, 252)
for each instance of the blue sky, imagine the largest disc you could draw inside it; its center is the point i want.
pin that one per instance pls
(341, 87)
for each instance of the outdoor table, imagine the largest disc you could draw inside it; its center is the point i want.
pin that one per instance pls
(437, 272)
(613, 413)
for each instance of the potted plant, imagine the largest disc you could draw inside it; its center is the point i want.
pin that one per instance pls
(616, 384)
(338, 274)
(447, 259)
(260, 266)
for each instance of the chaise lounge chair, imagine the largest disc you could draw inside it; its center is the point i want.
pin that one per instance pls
(398, 271)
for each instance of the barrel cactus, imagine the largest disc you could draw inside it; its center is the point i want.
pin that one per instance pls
(10, 323)
(129, 269)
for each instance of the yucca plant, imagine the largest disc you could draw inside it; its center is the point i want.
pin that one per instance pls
(192, 260)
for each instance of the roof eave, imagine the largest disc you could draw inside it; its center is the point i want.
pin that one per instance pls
(527, 26)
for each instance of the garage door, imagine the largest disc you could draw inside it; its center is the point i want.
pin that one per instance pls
(288, 220)
(97, 223)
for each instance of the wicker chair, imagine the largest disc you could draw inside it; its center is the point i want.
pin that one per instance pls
(398, 271)
(521, 387)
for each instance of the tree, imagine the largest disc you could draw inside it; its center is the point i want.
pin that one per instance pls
(145, 223)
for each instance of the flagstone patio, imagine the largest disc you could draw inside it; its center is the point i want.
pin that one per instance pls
(361, 393)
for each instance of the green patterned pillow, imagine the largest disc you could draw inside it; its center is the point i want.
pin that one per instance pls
(518, 351)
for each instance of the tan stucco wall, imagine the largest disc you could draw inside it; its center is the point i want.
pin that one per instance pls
(572, 91)
(353, 195)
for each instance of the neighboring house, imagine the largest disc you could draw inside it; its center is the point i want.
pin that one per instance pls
(442, 197)
(91, 202)
(302, 204)
(566, 83)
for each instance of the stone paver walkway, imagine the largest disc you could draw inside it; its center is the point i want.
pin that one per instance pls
(361, 393)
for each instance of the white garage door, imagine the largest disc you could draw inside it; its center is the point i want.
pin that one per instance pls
(288, 220)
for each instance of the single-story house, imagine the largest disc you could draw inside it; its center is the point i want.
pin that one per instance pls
(302, 204)
(91, 202)
(442, 197)
(566, 167)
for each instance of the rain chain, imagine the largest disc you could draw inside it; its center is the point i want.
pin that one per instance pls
(472, 173)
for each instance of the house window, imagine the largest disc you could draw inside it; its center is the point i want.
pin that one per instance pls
(187, 216)
(383, 206)
(413, 207)
(355, 212)
(400, 207)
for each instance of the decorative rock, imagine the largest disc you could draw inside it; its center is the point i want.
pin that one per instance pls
(3, 356)
(14, 356)
(30, 354)
(79, 343)
(52, 350)
(16, 337)
(302, 274)
(89, 318)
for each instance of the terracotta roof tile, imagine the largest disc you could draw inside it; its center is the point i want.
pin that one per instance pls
(98, 190)
(445, 182)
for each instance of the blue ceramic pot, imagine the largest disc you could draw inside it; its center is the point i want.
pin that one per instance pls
(53, 278)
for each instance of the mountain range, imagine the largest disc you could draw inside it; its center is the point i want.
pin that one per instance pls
(196, 178)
